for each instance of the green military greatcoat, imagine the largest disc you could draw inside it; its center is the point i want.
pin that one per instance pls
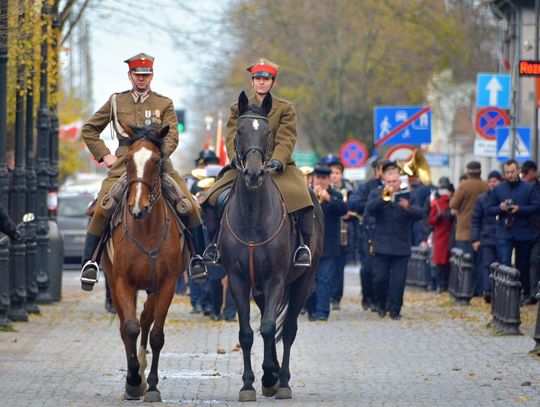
(291, 182)
(137, 111)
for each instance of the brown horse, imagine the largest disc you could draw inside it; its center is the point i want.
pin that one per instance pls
(144, 253)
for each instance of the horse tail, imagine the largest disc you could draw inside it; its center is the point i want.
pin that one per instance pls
(281, 314)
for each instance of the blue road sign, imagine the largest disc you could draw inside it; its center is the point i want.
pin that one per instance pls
(493, 90)
(522, 149)
(402, 125)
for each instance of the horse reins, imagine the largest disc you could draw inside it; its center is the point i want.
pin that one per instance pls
(252, 245)
(241, 158)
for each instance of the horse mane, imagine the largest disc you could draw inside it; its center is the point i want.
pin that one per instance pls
(146, 133)
(255, 110)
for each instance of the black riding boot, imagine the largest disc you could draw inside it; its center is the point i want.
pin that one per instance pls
(302, 255)
(90, 269)
(197, 268)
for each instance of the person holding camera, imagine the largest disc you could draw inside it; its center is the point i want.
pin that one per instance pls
(514, 202)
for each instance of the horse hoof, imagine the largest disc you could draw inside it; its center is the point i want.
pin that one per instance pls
(284, 393)
(133, 392)
(152, 396)
(270, 391)
(247, 395)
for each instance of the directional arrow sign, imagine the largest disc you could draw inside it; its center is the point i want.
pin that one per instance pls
(493, 87)
(493, 90)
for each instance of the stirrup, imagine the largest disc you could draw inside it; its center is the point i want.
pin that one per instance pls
(87, 283)
(302, 263)
(211, 253)
(197, 262)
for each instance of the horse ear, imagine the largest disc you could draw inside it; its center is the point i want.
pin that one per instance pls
(128, 129)
(163, 132)
(243, 103)
(267, 103)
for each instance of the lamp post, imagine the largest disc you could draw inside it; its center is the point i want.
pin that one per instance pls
(4, 182)
(42, 169)
(208, 120)
(18, 191)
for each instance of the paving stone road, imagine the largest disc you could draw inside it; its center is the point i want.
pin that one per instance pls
(437, 355)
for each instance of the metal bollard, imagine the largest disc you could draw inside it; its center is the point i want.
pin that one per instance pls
(5, 300)
(56, 261)
(418, 267)
(536, 335)
(17, 266)
(460, 283)
(505, 299)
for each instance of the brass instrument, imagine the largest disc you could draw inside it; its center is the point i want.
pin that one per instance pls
(387, 194)
(199, 173)
(206, 183)
(306, 170)
(417, 167)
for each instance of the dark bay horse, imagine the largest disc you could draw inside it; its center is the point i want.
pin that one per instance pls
(257, 242)
(144, 253)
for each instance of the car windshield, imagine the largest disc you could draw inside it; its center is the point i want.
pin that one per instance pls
(73, 205)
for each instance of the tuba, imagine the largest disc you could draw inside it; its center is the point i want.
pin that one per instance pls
(417, 167)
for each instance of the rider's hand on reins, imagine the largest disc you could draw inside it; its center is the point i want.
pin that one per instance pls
(274, 165)
(109, 160)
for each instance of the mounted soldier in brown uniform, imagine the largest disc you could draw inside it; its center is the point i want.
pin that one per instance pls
(288, 178)
(137, 107)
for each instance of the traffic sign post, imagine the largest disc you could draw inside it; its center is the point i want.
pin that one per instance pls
(522, 144)
(353, 154)
(487, 121)
(395, 125)
(493, 90)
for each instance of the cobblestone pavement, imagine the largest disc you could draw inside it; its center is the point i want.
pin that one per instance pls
(437, 355)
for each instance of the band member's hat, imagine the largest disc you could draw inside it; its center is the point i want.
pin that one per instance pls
(141, 63)
(331, 160)
(322, 171)
(263, 68)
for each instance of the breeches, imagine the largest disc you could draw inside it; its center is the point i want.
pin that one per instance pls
(99, 221)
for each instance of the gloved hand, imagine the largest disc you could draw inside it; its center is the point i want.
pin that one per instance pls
(275, 165)
(235, 163)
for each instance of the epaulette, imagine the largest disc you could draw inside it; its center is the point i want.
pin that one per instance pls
(160, 95)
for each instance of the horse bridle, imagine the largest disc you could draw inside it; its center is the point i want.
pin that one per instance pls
(242, 157)
(154, 191)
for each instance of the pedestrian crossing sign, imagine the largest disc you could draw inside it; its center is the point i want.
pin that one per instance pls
(522, 144)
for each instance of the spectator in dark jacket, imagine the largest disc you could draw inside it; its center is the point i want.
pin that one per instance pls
(7, 226)
(529, 173)
(357, 203)
(391, 242)
(483, 232)
(514, 202)
(333, 207)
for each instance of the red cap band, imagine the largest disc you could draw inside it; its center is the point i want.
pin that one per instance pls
(140, 63)
(264, 68)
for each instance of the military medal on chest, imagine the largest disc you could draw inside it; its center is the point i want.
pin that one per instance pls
(148, 115)
(158, 116)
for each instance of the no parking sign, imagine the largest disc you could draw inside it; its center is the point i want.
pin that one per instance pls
(353, 154)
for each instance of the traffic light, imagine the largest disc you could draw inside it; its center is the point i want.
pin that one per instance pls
(181, 116)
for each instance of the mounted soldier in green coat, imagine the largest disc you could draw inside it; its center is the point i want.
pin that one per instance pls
(287, 177)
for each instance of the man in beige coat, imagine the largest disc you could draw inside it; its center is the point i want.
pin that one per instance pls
(462, 206)
(137, 107)
(288, 178)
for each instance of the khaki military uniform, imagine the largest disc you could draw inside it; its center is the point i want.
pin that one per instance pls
(291, 182)
(139, 112)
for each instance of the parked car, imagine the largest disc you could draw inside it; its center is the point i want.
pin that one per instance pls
(72, 222)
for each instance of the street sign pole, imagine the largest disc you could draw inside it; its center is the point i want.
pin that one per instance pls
(516, 82)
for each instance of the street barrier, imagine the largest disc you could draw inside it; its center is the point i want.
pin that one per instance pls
(418, 272)
(460, 284)
(505, 299)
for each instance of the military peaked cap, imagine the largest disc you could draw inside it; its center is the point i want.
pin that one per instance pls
(141, 63)
(263, 68)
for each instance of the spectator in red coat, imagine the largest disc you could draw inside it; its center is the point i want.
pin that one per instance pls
(442, 220)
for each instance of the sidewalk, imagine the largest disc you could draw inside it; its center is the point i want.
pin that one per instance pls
(437, 355)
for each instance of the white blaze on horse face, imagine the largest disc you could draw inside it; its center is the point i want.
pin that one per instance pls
(140, 159)
(255, 124)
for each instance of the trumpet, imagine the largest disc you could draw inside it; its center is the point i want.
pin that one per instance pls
(387, 194)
